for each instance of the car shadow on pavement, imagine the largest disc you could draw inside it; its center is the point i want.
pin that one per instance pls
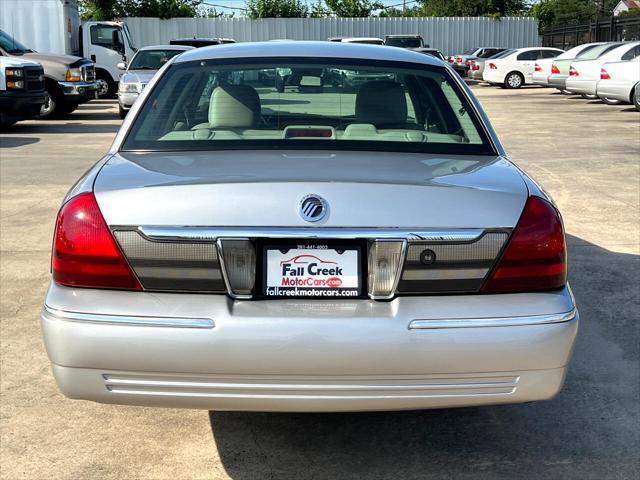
(67, 126)
(13, 142)
(587, 431)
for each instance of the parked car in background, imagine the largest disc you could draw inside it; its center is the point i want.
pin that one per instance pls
(139, 72)
(434, 52)
(68, 81)
(366, 40)
(21, 90)
(543, 66)
(560, 66)
(619, 81)
(196, 42)
(477, 66)
(585, 74)
(405, 41)
(516, 69)
(462, 62)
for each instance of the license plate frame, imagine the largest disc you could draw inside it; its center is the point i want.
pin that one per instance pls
(313, 246)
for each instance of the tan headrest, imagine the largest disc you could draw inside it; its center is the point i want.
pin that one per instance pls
(234, 106)
(381, 103)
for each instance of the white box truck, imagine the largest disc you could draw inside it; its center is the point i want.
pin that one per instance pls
(54, 26)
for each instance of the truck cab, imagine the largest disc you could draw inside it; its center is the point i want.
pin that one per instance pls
(107, 44)
(21, 90)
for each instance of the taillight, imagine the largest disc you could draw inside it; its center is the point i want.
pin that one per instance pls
(537, 67)
(573, 72)
(604, 75)
(469, 62)
(475, 67)
(536, 256)
(492, 66)
(84, 251)
(554, 68)
(459, 59)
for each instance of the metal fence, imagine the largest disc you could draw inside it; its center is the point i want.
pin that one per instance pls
(601, 30)
(449, 34)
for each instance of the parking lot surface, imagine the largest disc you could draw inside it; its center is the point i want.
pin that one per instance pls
(584, 153)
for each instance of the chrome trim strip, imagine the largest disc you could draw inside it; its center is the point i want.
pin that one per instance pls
(492, 322)
(161, 233)
(223, 269)
(140, 321)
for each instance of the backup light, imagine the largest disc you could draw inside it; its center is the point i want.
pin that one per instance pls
(84, 251)
(386, 258)
(238, 264)
(536, 256)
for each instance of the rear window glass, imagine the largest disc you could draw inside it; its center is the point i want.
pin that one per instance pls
(596, 51)
(404, 42)
(206, 105)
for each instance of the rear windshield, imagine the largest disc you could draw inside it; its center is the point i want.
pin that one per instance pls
(404, 42)
(503, 53)
(152, 59)
(596, 51)
(286, 104)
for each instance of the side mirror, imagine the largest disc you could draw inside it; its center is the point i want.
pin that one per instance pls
(121, 66)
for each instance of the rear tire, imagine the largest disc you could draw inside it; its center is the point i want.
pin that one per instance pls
(513, 80)
(611, 101)
(587, 96)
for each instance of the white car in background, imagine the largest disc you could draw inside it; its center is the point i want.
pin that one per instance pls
(585, 74)
(619, 81)
(516, 69)
(543, 67)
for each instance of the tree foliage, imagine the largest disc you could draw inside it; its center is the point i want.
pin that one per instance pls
(473, 8)
(276, 9)
(562, 12)
(110, 9)
(353, 8)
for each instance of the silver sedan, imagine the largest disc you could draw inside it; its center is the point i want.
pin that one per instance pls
(317, 249)
(139, 72)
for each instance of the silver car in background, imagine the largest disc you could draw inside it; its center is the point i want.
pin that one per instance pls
(139, 72)
(317, 249)
(619, 81)
(477, 66)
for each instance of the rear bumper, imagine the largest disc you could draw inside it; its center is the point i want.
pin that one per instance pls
(587, 87)
(208, 351)
(557, 81)
(614, 90)
(492, 76)
(541, 79)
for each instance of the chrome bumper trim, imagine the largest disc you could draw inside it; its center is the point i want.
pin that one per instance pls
(140, 321)
(492, 322)
(213, 233)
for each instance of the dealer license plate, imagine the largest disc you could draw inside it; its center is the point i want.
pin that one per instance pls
(312, 271)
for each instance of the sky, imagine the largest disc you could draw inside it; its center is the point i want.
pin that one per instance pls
(228, 6)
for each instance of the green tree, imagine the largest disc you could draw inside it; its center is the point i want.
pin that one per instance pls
(276, 9)
(353, 8)
(473, 8)
(110, 9)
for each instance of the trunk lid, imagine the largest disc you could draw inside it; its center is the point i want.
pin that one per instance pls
(262, 188)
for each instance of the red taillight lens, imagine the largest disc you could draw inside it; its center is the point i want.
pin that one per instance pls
(604, 75)
(469, 62)
(573, 72)
(459, 59)
(538, 68)
(475, 67)
(450, 59)
(554, 68)
(536, 256)
(492, 66)
(84, 251)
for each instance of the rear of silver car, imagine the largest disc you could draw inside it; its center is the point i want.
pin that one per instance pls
(442, 277)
